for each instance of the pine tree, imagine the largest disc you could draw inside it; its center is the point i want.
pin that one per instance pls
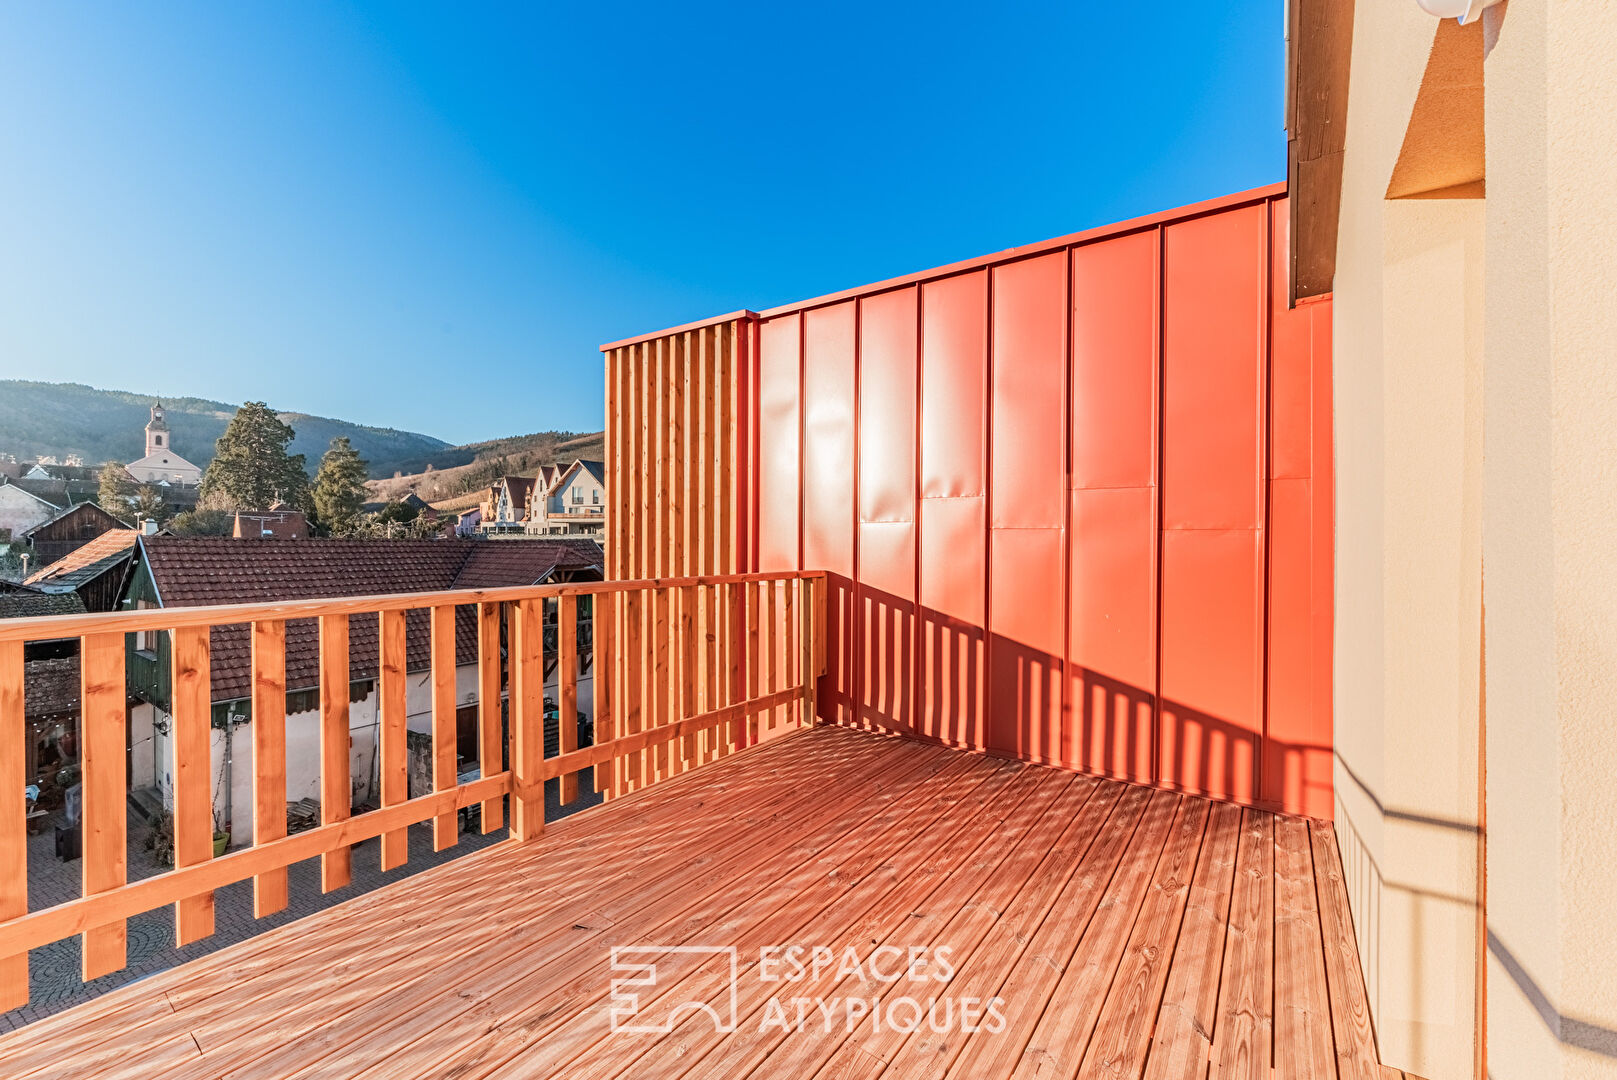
(117, 487)
(251, 468)
(339, 488)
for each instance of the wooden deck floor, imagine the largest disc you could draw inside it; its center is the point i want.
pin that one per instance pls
(1125, 932)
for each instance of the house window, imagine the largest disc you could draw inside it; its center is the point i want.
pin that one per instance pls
(595, 496)
(157, 440)
(145, 640)
(578, 496)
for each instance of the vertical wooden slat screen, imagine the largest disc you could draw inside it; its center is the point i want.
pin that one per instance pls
(193, 794)
(442, 633)
(490, 743)
(336, 867)
(105, 810)
(678, 448)
(13, 817)
(394, 758)
(269, 757)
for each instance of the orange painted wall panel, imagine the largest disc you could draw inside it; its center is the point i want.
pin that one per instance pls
(888, 358)
(1213, 371)
(779, 443)
(1212, 642)
(1114, 363)
(1026, 632)
(1075, 503)
(1028, 378)
(1291, 375)
(954, 385)
(1111, 636)
(1296, 761)
(953, 617)
(830, 402)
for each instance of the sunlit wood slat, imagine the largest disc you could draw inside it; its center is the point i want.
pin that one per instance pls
(193, 794)
(394, 757)
(269, 757)
(105, 821)
(336, 795)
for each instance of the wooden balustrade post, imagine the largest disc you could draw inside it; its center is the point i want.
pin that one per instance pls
(269, 757)
(336, 794)
(527, 720)
(567, 691)
(13, 817)
(604, 663)
(810, 635)
(104, 823)
(490, 737)
(193, 774)
(446, 826)
(392, 755)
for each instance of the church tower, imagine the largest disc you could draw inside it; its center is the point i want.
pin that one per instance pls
(157, 439)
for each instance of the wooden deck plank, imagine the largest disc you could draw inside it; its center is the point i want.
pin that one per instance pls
(1243, 1038)
(1028, 985)
(1071, 1011)
(1184, 1034)
(895, 908)
(954, 918)
(1302, 1039)
(564, 1001)
(1011, 930)
(249, 973)
(1356, 1057)
(1125, 930)
(1127, 1020)
(361, 1017)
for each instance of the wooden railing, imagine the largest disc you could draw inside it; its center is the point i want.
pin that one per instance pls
(686, 670)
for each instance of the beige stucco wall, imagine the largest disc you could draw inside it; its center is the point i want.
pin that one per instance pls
(1550, 540)
(1409, 400)
(1476, 419)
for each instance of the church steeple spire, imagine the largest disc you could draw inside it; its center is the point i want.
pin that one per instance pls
(156, 431)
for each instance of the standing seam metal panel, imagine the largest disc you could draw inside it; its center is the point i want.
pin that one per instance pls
(1075, 501)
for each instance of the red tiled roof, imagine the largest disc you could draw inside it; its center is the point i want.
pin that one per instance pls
(83, 563)
(196, 571)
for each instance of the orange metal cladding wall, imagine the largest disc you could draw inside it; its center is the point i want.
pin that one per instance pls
(1075, 502)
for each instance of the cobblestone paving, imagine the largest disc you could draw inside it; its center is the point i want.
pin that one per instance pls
(53, 970)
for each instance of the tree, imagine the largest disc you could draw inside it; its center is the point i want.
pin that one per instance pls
(117, 487)
(339, 488)
(251, 468)
(202, 522)
(149, 504)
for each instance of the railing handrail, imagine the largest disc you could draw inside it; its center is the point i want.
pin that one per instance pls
(50, 627)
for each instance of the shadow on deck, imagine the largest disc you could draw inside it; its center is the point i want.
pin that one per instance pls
(953, 915)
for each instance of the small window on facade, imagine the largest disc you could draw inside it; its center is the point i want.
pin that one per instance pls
(595, 496)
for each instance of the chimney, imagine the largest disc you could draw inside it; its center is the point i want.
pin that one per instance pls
(148, 526)
(25, 565)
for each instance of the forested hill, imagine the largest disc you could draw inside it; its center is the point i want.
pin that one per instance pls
(42, 419)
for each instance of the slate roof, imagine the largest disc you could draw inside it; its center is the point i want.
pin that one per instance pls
(51, 687)
(21, 602)
(196, 571)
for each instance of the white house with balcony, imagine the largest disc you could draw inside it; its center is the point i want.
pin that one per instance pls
(573, 505)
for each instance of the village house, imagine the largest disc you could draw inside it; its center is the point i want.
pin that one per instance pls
(21, 509)
(573, 504)
(505, 507)
(196, 571)
(68, 530)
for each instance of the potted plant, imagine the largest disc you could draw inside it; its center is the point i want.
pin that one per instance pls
(221, 835)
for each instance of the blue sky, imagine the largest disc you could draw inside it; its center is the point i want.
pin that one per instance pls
(429, 216)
